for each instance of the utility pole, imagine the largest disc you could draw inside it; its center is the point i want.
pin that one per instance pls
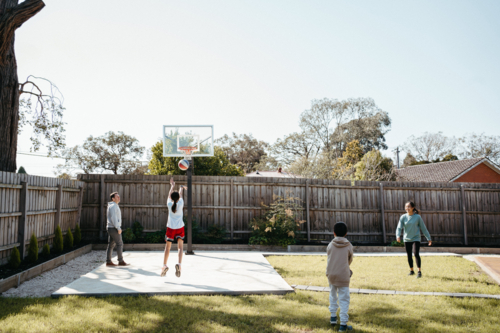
(397, 156)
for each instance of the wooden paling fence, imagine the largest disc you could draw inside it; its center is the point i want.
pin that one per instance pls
(32, 204)
(455, 213)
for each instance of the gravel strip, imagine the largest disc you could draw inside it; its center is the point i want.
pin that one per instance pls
(44, 285)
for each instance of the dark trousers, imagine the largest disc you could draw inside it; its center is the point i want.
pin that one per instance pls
(114, 238)
(416, 250)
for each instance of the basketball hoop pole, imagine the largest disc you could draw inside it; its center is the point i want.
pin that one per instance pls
(190, 207)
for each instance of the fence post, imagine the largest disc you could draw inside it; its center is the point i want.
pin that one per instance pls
(231, 193)
(464, 214)
(80, 203)
(307, 213)
(102, 220)
(57, 220)
(22, 226)
(384, 237)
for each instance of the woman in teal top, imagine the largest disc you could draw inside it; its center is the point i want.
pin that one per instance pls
(413, 224)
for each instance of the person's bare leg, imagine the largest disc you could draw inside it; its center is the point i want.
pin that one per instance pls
(164, 268)
(167, 252)
(180, 242)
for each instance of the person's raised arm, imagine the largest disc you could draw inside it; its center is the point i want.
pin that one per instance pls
(172, 185)
(181, 190)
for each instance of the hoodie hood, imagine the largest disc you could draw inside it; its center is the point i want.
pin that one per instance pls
(111, 203)
(340, 242)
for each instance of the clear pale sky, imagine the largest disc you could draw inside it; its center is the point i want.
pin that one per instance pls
(254, 66)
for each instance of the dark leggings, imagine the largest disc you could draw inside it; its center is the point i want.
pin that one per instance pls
(408, 246)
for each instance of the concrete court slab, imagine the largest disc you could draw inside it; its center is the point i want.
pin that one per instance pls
(205, 273)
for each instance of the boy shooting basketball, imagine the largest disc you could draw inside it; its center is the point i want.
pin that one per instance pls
(175, 226)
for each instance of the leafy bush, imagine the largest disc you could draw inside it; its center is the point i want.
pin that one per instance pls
(58, 245)
(155, 237)
(128, 235)
(68, 239)
(396, 243)
(137, 228)
(15, 258)
(214, 235)
(46, 250)
(33, 249)
(279, 225)
(78, 235)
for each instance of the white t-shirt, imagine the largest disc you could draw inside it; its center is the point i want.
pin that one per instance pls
(175, 219)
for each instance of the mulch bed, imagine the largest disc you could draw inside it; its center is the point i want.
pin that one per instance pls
(6, 271)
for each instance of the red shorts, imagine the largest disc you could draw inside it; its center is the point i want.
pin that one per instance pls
(173, 234)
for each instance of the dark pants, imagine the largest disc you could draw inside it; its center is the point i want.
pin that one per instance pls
(416, 250)
(114, 238)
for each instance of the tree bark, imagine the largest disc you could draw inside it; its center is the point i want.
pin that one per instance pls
(12, 16)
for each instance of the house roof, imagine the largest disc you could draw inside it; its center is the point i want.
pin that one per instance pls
(272, 174)
(442, 171)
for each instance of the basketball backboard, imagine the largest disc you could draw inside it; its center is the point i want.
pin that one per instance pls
(197, 138)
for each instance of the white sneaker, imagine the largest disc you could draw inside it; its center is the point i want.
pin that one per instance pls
(177, 270)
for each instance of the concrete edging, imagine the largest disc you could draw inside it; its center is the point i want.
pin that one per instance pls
(395, 292)
(196, 247)
(16, 280)
(298, 248)
(364, 249)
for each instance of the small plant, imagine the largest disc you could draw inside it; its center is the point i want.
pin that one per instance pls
(15, 258)
(33, 249)
(396, 243)
(128, 235)
(155, 237)
(58, 245)
(137, 228)
(279, 225)
(46, 251)
(77, 235)
(68, 239)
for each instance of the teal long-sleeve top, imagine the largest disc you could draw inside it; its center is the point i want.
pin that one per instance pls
(413, 225)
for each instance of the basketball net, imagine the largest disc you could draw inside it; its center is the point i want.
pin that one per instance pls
(187, 150)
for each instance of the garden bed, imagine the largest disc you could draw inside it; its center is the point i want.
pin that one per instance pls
(17, 277)
(6, 270)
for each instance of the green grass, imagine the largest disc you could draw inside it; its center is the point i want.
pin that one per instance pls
(440, 274)
(300, 312)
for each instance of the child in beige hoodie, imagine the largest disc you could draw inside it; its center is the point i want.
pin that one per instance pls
(340, 255)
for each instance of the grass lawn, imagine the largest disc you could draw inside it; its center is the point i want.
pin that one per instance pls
(440, 274)
(300, 312)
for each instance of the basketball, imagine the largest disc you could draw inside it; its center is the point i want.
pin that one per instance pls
(183, 165)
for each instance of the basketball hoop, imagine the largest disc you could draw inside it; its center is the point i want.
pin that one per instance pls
(187, 150)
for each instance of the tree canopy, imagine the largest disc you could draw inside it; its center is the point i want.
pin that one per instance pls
(116, 152)
(243, 150)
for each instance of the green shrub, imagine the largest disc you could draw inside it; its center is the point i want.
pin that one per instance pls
(155, 237)
(214, 235)
(46, 250)
(15, 258)
(137, 228)
(396, 243)
(68, 239)
(33, 249)
(279, 225)
(58, 245)
(77, 235)
(128, 235)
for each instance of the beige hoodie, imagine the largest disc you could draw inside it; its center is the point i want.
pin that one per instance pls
(340, 255)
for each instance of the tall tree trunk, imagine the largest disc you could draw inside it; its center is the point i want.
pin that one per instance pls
(12, 16)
